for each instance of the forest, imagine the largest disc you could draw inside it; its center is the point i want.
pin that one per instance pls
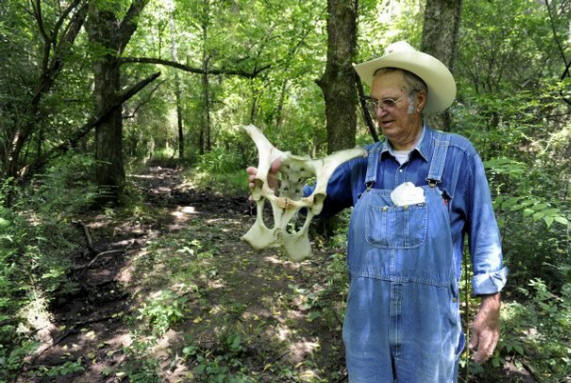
(124, 194)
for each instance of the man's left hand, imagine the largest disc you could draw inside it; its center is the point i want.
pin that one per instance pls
(486, 328)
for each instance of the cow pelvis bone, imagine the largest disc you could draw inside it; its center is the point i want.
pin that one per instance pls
(289, 200)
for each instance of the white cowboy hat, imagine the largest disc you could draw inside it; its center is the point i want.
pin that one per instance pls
(438, 79)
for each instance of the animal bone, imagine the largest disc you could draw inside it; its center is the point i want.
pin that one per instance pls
(290, 201)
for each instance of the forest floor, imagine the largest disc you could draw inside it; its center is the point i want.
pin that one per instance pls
(169, 293)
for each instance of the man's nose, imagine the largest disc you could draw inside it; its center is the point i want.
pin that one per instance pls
(380, 112)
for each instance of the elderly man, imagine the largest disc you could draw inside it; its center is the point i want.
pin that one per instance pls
(415, 197)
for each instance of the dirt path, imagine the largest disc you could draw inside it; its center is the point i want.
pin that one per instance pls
(171, 294)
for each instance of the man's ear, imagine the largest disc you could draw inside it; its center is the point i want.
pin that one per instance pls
(420, 101)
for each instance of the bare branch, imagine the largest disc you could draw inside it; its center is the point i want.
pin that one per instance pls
(95, 259)
(146, 101)
(186, 68)
(129, 23)
(555, 37)
(88, 126)
(37, 11)
(63, 16)
(72, 30)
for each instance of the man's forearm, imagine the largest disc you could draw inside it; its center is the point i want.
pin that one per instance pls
(491, 301)
(486, 327)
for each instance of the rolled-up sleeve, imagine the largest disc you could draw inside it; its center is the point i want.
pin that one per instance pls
(490, 275)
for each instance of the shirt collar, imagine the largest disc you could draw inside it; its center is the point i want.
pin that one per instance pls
(422, 145)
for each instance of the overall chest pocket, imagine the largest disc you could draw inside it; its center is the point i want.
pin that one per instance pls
(396, 227)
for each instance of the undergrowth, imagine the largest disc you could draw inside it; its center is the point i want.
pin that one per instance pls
(36, 238)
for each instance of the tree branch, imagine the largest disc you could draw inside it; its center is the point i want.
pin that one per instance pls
(72, 30)
(146, 101)
(63, 16)
(565, 74)
(129, 23)
(552, 23)
(186, 68)
(88, 126)
(37, 11)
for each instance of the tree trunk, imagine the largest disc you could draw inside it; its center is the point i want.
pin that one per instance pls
(253, 106)
(112, 36)
(206, 110)
(177, 89)
(109, 133)
(205, 143)
(337, 83)
(440, 39)
(279, 112)
(179, 122)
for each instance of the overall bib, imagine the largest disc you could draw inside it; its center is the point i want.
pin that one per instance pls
(402, 322)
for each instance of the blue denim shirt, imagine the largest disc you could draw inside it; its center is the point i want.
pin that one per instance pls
(464, 181)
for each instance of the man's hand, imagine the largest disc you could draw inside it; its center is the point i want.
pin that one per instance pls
(272, 175)
(486, 328)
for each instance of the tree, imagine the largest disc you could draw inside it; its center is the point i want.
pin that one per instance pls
(109, 36)
(440, 39)
(57, 37)
(177, 91)
(205, 141)
(338, 82)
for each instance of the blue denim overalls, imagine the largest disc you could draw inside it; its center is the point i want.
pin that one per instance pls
(402, 322)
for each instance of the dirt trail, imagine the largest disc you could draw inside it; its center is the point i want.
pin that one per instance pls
(88, 326)
(92, 330)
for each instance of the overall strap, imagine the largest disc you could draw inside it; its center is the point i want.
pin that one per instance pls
(438, 159)
(373, 165)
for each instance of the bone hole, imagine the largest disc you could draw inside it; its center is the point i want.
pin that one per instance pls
(292, 179)
(267, 215)
(283, 182)
(297, 221)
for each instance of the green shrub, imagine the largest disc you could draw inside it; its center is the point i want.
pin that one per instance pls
(221, 160)
(36, 238)
(535, 336)
(162, 312)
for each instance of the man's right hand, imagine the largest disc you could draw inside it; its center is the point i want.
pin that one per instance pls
(272, 175)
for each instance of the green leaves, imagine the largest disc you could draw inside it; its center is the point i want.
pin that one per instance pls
(532, 207)
(163, 311)
(506, 166)
(4, 223)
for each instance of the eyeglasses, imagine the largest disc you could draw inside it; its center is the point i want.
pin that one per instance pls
(385, 104)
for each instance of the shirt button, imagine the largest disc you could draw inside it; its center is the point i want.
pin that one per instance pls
(400, 170)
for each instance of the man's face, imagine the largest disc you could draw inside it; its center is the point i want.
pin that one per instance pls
(395, 121)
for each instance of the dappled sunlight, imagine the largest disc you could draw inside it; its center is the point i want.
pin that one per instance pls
(163, 345)
(308, 375)
(182, 214)
(144, 176)
(222, 220)
(216, 284)
(216, 309)
(100, 221)
(125, 274)
(302, 349)
(281, 332)
(161, 190)
(284, 262)
(256, 314)
(37, 316)
(195, 286)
